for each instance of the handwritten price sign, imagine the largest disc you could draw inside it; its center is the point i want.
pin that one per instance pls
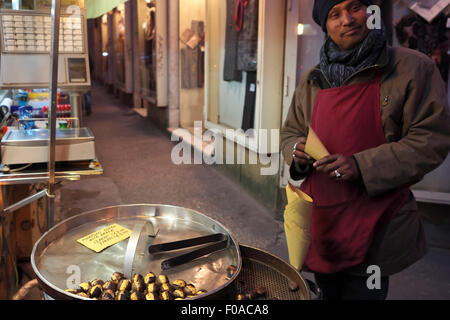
(105, 237)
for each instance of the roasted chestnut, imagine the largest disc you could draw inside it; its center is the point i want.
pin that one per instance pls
(117, 276)
(137, 277)
(124, 285)
(261, 292)
(166, 287)
(149, 278)
(179, 284)
(110, 285)
(108, 295)
(293, 286)
(250, 295)
(123, 295)
(137, 295)
(85, 286)
(152, 287)
(166, 295)
(97, 282)
(73, 291)
(162, 279)
(83, 294)
(241, 296)
(138, 286)
(178, 293)
(200, 292)
(95, 291)
(190, 290)
(151, 296)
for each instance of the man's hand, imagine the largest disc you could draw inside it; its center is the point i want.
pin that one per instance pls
(339, 167)
(299, 154)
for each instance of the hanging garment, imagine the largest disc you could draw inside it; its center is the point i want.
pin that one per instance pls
(191, 61)
(344, 219)
(149, 36)
(230, 71)
(248, 119)
(246, 20)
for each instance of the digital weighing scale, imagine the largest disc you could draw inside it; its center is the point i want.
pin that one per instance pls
(31, 146)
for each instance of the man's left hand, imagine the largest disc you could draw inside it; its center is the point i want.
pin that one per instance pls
(339, 167)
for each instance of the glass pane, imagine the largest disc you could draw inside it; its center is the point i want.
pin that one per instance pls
(310, 40)
(232, 64)
(192, 48)
(119, 24)
(17, 4)
(147, 46)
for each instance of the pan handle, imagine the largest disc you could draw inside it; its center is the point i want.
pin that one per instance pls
(314, 288)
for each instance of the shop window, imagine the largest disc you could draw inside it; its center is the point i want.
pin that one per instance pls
(192, 64)
(119, 44)
(147, 47)
(244, 69)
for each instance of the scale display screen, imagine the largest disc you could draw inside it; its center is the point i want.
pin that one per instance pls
(77, 70)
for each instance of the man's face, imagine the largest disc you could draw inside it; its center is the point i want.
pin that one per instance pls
(346, 24)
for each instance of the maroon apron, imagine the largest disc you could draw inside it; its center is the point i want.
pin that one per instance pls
(347, 120)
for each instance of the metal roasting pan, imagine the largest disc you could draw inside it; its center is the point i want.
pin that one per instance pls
(57, 257)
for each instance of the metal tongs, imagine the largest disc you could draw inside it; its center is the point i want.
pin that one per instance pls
(219, 240)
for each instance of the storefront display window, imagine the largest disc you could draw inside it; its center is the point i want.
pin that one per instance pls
(235, 61)
(119, 44)
(244, 67)
(147, 46)
(192, 64)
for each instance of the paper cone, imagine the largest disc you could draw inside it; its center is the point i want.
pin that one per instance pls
(297, 220)
(314, 147)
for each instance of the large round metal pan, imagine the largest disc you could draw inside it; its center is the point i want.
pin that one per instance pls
(57, 258)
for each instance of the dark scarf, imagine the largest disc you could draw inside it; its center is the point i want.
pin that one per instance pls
(338, 65)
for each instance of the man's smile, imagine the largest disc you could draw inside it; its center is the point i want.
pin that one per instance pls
(353, 31)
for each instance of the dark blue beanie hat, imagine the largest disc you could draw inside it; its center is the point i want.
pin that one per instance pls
(323, 7)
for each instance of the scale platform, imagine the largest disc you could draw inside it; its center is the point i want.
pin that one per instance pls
(31, 146)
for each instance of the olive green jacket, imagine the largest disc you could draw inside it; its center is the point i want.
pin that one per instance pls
(416, 123)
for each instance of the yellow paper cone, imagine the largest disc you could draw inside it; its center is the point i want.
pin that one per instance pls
(314, 147)
(297, 220)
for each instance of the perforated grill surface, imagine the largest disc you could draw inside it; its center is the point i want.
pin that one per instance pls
(255, 274)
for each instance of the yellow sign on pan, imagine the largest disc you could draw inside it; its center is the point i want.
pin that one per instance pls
(106, 237)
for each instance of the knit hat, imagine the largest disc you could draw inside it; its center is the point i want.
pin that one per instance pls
(323, 7)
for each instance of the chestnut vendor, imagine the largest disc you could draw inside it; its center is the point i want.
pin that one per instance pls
(383, 115)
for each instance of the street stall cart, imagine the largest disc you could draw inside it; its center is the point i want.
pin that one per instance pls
(44, 73)
(143, 251)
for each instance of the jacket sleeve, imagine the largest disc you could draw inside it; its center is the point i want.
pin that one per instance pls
(425, 140)
(293, 128)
